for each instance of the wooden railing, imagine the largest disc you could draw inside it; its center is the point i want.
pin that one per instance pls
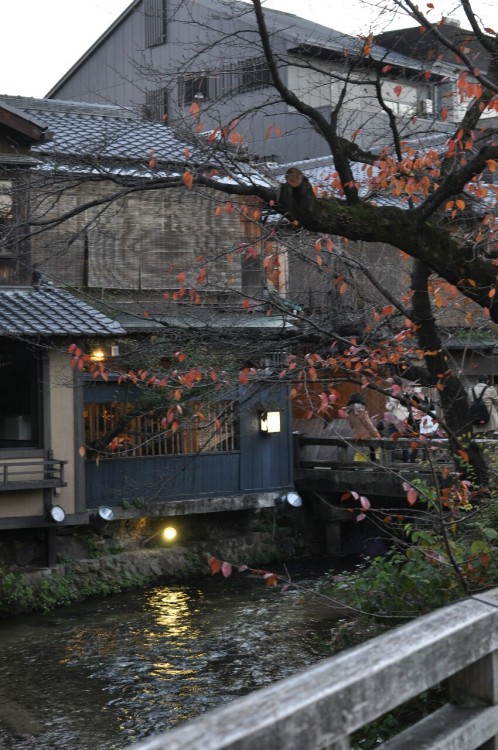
(29, 475)
(388, 453)
(320, 708)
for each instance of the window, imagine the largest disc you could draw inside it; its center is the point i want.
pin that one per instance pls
(156, 105)
(8, 262)
(155, 22)
(19, 396)
(5, 200)
(254, 74)
(193, 86)
(123, 430)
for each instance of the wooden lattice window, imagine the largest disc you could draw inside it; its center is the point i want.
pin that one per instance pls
(121, 429)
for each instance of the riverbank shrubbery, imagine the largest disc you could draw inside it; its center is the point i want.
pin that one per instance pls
(20, 595)
(442, 549)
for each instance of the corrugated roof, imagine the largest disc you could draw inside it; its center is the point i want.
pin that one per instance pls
(51, 312)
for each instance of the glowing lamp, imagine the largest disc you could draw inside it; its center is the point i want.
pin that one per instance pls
(269, 421)
(169, 534)
(97, 355)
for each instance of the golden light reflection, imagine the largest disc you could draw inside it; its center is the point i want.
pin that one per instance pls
(172, 612)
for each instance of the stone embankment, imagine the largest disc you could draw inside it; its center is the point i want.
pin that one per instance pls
(27, 589)
(175, 561)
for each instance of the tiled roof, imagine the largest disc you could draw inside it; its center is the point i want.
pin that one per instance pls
(426, 46)
(50, 312)
(101, 132)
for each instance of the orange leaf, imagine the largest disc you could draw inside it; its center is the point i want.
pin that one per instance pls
(215, 565)
(188, 179)
(271, 579)
(367, 47)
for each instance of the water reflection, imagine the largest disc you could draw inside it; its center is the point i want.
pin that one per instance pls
(107, 673)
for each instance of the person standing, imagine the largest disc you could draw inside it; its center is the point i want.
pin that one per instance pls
(362, 426)
(397, 417)
(490, 398)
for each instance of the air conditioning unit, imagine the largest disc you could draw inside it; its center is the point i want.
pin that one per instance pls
(426, 106)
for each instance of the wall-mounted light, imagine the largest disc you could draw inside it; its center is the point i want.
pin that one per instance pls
(97, 355)
(102, 516)
(56, 514)
(269, 421)
(293, 498)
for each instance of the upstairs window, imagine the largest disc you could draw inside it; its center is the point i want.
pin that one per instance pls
(8, 262)
(156, 105)
(254, 74)
(193, 86)
(155, 22)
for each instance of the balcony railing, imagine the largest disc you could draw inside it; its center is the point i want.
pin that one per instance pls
(31, 475)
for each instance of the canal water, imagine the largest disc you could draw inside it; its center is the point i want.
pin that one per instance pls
(105, 673)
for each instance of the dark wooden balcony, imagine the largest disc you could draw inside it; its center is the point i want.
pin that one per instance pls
(35, 474)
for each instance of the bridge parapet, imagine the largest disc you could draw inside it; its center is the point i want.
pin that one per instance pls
(320, 708)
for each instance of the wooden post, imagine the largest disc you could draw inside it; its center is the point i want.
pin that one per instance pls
(51, 551)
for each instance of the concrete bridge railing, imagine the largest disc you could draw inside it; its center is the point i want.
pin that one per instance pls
(320, 708)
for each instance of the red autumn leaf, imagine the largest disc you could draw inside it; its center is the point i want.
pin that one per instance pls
(226, 569)
(271, 579)
(397, 90)
(188, 179)
(360, 517)
(411, 496)
(215, 565)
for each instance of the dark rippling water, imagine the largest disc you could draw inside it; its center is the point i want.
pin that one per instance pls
(103, 674)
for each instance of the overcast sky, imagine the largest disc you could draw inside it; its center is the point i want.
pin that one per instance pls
(42, 39)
